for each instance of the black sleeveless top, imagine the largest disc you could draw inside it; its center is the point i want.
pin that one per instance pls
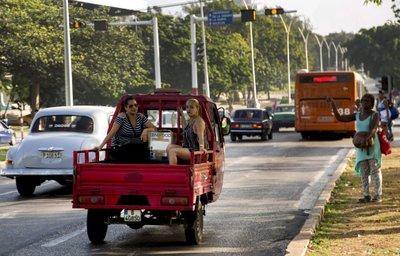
(190, 139)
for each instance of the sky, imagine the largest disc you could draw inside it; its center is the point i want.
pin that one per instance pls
(325, 16)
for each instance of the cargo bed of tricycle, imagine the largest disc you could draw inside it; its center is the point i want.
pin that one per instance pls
(151, 191)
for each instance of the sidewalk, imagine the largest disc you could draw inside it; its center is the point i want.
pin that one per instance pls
(352, 228)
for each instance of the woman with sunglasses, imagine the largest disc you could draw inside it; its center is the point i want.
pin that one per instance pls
(130, 127)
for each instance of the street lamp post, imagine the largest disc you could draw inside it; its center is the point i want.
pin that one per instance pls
(287, 30)
(253, 68)
(336, 55)
(69, 98)
(329, 53)
(344, 50)
(305, 39)
(321, 67)
(341, 56)
(205, 61)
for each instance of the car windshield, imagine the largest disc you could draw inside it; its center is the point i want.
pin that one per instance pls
(248, 114)
(284, 109)
(63, 123)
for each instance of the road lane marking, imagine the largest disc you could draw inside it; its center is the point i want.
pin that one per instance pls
(7, 193)
(63, 238)
(311, 193)
(8, 215)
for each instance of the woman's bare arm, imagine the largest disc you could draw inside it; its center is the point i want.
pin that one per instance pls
(111, 134)
(183, 120)
(338, 116)
(199, 129)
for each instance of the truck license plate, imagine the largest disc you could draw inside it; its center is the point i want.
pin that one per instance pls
(52, 154)
(132, 215)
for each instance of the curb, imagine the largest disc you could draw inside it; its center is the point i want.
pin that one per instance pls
(298, 246)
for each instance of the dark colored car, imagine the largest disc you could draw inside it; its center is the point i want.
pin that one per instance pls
(251, 122)
(284, 116)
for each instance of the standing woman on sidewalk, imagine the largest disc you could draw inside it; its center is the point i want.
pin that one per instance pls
(368, 160)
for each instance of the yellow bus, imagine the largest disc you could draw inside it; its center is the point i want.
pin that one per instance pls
(313, 114)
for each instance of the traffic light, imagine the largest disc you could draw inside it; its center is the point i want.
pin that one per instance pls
(77, 24)
(385, 83)
(248, 15)
(100, 25)
(199, 51)
(274, 11)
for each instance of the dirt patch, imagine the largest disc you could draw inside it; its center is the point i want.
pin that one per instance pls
(351, 228)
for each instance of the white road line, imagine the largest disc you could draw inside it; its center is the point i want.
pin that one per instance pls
(8, 215)
(63, 238)
(311, 193)
(7, 193)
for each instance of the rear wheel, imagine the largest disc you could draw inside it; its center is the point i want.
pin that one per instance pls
(233, 137)
(25, 186)
(96, 226)
(270, 135)
(194, 224)
(305, 135)
(264, 136)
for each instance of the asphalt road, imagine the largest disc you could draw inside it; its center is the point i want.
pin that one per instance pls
(268, 188)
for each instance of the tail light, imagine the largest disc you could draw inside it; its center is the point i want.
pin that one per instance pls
(91, 199)
(235, 125)
(169, 200)
(8, 162)
(257, 126)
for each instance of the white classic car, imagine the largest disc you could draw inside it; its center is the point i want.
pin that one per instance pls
(46, 153)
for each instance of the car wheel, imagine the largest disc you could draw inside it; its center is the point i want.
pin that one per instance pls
(240, 137)
(270, 135)
(96, 225)
(25, 186)
(233, 137)
(264, 136)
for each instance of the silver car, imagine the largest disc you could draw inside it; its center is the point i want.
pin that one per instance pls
(46, 153)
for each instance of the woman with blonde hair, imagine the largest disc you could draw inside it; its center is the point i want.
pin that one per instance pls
(194, 135)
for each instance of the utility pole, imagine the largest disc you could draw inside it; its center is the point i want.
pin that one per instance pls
(205, 61)
(305, 39)
(287, 30)
(320, 44)
(336, 55)
(329, 53)
(195, 87)
(69, 97)
(341, 54)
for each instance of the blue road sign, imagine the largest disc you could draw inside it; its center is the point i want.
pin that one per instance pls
(218, 18)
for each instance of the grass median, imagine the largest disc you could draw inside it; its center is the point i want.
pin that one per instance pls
(351, 228)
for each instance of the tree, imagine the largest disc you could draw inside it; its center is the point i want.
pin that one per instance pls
(105, 65)
(395, 6)
(376, 48)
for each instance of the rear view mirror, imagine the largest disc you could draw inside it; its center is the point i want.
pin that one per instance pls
(226, 125)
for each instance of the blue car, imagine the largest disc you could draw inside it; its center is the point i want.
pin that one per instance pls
(7, 135)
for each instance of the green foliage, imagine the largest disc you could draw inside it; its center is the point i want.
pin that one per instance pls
(377, 48)
(110, 63)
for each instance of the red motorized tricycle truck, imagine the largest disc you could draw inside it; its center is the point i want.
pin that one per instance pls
(152, 192)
